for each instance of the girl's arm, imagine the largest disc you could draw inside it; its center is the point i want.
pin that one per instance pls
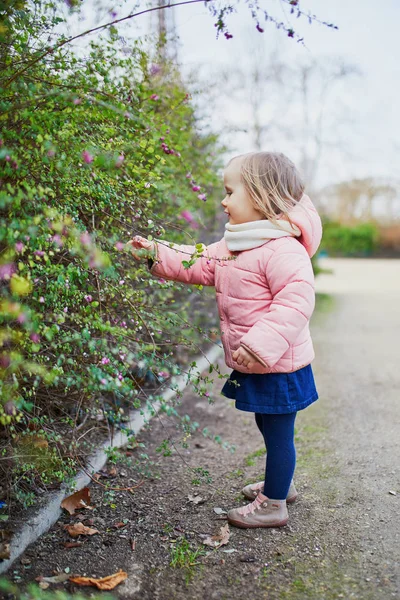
(291, 279)
(167, 261)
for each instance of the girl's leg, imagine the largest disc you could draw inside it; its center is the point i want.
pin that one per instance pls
(278, 432)
(259, 422)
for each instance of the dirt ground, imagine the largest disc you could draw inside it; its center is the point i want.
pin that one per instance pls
(342, 540)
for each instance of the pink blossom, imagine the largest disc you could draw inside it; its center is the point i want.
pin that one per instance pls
(185, 214)
(88, 298)
(188, 175)
(51, 153)
(19, 247)
(39, 253)
(120, 160)
(119, 245)
(154, 97)
(196, 188)
(57, 240)
(121, 281)
(147, 185)
(35, 338)
(120, 376)
(162, 281)
(21, 318)
(202, 197)
(7, 270)
(105, 360)
(41, 300)
(85, 239)
(77, 101)
(103, 381)
(87, 157)
(65, 309)
(162, 139)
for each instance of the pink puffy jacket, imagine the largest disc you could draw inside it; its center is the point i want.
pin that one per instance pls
(265, 295)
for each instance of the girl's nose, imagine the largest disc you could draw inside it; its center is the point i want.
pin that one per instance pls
(224, 202)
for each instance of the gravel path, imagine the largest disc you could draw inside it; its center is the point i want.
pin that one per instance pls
(342, 540)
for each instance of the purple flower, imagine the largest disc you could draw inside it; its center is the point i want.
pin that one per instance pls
(105, 360)
(7, 270)
(77, 101)
(260, 29)
(88, 298)
(162, 281)
(121, 281)
(188, 175)
(87, 157)
(196, 188)
(155, 69)
(202, 197)
(51, 153)
(119, 246)
(147, 185)
(103, 381)
(39, 253)
(120, 376)
(65, 309)
(154, 97)
(35, 338)
(41, 300)
(19, 247)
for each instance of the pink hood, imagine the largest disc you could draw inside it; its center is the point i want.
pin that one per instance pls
(305, 216)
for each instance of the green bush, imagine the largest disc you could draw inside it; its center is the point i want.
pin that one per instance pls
(92, 151)
(343, 240)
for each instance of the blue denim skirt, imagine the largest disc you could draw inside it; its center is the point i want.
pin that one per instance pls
(272, 393)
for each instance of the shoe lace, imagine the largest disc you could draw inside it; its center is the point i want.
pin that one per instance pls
(250, 508)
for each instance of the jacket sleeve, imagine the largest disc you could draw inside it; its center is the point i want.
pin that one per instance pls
(168, 263)
(291, 280)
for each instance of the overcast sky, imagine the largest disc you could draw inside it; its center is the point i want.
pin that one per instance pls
(367, 37)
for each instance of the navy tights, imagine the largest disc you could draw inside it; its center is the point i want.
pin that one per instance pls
(278, 433)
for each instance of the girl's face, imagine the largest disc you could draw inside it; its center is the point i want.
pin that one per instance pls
(237, 202)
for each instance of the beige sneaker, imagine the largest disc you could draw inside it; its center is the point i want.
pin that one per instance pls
(262, 512)
(252, 490)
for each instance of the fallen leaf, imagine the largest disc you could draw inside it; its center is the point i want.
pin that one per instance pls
(72, 544)
(219, 511)
(196, 499)
(80, 500)
(5, 537)
(392, 492)
(133, 544)
(220, 539)
(105, 583)
(60, 578)
(230, 550)
(112, 472)
(119, 525)
(80, 529)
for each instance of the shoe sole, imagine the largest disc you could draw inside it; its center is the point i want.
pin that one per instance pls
(289, 500)
(246, 526)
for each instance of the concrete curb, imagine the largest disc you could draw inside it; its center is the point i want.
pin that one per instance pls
(50, 513)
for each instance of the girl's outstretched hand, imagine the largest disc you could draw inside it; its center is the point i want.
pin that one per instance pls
(142, 248)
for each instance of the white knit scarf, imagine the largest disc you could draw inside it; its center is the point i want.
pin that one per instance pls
(256, 233)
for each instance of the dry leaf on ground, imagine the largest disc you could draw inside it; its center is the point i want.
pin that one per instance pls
(80, 529)
(105, 583)
(80, 500)
(72, 544)
(220, 539)
(5, 537)
(196, 499)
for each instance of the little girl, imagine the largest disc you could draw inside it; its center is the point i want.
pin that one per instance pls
(264, 282)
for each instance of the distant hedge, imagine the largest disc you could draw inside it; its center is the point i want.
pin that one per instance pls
(343, 240)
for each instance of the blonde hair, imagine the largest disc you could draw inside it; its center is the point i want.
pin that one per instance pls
(272, 182)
